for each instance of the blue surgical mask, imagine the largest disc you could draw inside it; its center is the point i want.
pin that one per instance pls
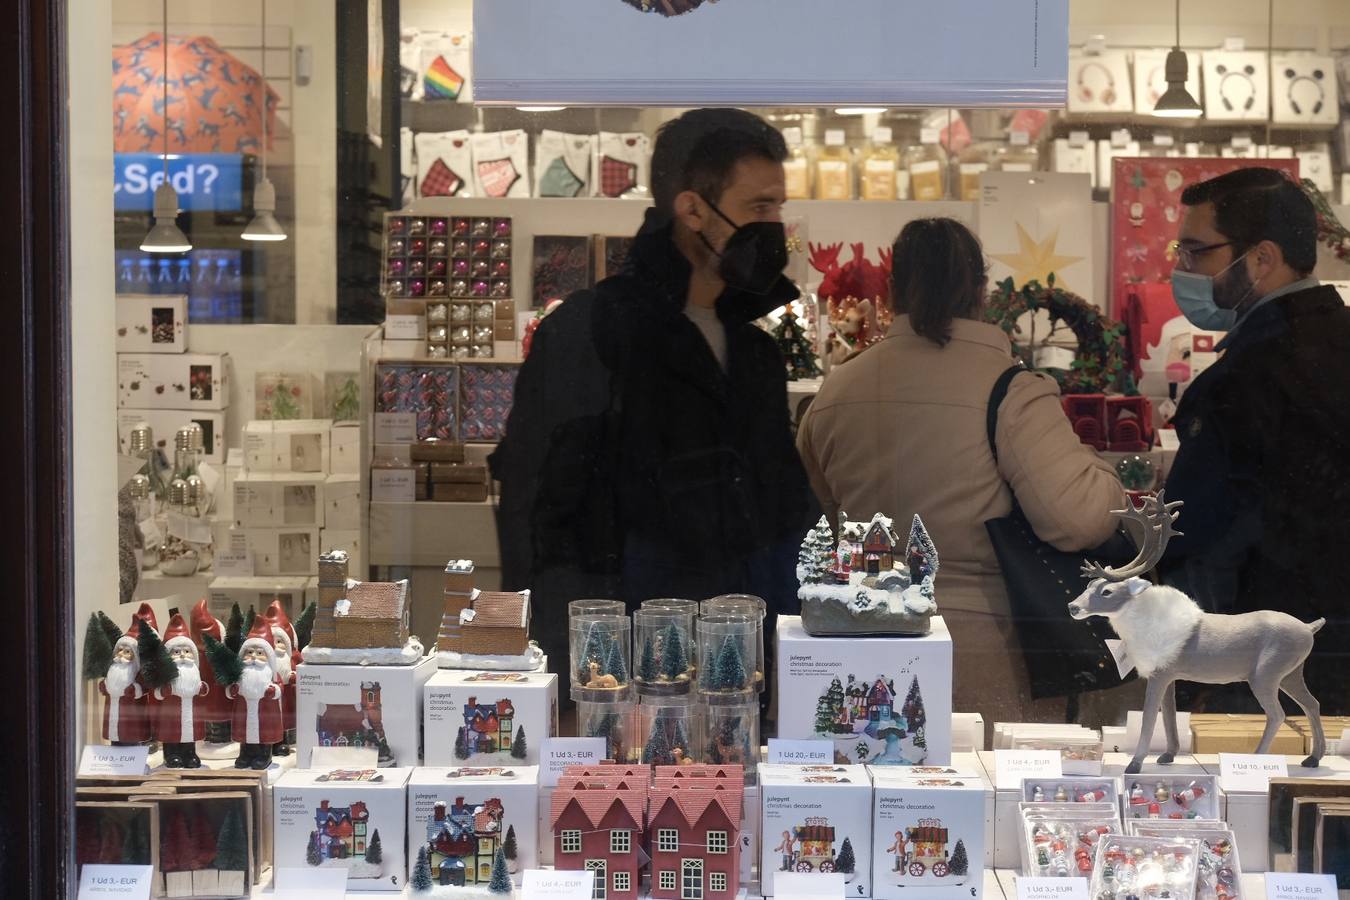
(1194, 294)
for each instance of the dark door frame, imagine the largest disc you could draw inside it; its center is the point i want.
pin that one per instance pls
(37, 668)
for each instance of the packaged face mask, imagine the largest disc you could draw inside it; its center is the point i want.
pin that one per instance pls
(407, 165)
(444, 65)
(562, 164)
(622, 165)
(444, 164)
(501, 164)
(410, 64)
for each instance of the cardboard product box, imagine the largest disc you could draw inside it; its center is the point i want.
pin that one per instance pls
(458, 473)
(148, 323)
(166, 422)
(810, 816)
(257, 592)
(331, 817)
(279, 551)
(226, 815)
(94, 816)
(194, 381)
(345, 449)
(276, 499)
(874, 689)
(366, 706)
(457, 492)
(927, 834)
(475, 718)
(295, 445)
(499, 805)
(436, 451)
(346, 539)
(342, 502)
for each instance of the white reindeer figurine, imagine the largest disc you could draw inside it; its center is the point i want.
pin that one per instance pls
(1170, 639)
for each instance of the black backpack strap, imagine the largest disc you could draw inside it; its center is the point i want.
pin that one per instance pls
(996, 397)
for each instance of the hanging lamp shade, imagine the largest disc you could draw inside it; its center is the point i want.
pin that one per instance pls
(1177, 102)
(165, 236)
(264, 225)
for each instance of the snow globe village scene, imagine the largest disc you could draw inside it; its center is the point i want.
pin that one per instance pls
(869, 583)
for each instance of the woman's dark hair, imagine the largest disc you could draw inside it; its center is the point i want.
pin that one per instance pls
(937, 274)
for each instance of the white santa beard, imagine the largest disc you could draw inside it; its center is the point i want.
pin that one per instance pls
(121, 675)
(283, 667)
(188, 681)
(255, 679)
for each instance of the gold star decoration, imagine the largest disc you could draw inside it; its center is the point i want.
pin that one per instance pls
(1035, 260)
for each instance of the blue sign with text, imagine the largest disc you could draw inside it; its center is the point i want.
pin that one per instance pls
(204, 181)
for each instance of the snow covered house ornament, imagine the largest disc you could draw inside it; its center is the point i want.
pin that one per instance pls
(866, 581)
(360, 622)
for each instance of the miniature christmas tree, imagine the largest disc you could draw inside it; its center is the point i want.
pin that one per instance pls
(249, 617)
(845, 862)
(674, 658)
(231, 848)
(501, 878)
(157, 667)
(614, 664)
(606, 726)
(224, 661)
(312, 854)
(724, 748)
(679, 739)
(913, 710)
(798, 354)
(421, 882)
(824, 723)
(730, 667)
(509, 843)
(835, 695)
(110, 848)
(647, 662)
(518, 746)
(374, 855)
(203, 841)
(234, 625)
(591, 652)
(304, 625)
(100, 636)
(816, 557)
(176, 851)
(959, 864)
(461, 746)
(136, 846)
(920, 553)
(347, 403)
(657, 751)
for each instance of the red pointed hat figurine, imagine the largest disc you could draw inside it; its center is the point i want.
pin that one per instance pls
(216, 710)
(260, 636)
(147, 613)
(257, 718)
(181, 704)
(205, 623)
(276, 613)
(178, 635)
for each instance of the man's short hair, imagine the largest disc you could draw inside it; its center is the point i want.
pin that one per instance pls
(699, 150)
(1259, 204)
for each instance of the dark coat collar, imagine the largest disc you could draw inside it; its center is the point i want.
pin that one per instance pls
(1273, 318)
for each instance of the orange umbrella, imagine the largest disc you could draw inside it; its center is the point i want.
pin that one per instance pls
(214, 100)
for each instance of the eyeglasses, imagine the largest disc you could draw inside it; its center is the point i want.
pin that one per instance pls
(1187, 256)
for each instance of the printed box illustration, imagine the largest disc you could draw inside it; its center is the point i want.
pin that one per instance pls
(463, 815)
(488, 718)
(149, 323)
(816, 819)
(927, 834)
(299, 445)
(278, 500)
(193, 381)
(362, 706)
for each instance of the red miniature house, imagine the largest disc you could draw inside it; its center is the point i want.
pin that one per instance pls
(694, 823)
(597, 816)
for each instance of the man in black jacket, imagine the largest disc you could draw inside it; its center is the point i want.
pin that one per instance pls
(1265, 431)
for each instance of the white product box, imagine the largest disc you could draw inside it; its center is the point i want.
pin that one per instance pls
(345, 457)
(1099, 83)
(1304, 90)
(750, 830)
(1237, 86)
(1150, 80)
(1066, 156)
(294, 445)
(462, 815)
(193, 381)
(148, 323)
(279, 499)
(342, 502)
(1106, 152)
(279, 551)
(809, 817)
(331, 818)
(1315, 165)
(347, 540)
(867, 694)
(257, 592)
(474, 718)
(165, 422)
(927, 835)
(345, 706)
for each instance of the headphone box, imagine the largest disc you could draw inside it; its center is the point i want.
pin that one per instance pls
(1099, 83)
(1304, 90)
(1237, 86)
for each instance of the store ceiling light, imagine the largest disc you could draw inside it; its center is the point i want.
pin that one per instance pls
(859, 110)
(165, 236)
(264, 225)
(534, 109)
(1177, 102)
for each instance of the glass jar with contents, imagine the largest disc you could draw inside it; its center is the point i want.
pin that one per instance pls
(927, 166)
(972, 162)
(1019, 155)
(797, 167)
(879, 167)
(834, 168)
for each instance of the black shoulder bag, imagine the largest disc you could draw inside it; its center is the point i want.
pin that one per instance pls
(1064, 657)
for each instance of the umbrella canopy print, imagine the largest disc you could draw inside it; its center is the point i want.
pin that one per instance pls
(214, 100)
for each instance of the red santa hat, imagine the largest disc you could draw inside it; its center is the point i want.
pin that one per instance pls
(260, 636)
(130, 638)
(147, 613)
(177, 635)
(276, 614)
(205, 623)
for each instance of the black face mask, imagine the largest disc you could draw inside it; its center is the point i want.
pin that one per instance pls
(754, 256)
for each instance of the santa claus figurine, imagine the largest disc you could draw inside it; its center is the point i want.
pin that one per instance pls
(181, 704)
(215, 710)
(288, 657)
(251, 685)
(126, 713)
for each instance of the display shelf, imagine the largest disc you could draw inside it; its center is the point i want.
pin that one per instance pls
(174, 590)
(427, 533)
(1253, 883)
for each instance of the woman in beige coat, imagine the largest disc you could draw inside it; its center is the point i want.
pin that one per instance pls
(900, 429)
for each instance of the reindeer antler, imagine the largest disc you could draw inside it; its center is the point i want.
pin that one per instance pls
(824, 257)
(1156, 516)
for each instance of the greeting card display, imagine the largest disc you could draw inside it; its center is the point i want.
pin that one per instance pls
(1099, 83)
(1237, 86)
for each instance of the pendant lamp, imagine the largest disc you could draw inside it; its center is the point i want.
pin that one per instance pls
(264, 226)
(165, 236)
(1177, 102)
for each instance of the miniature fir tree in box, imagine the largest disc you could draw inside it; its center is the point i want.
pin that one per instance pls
(312, 854)
(421, 882)
(461, 745)
(960, 865)
(232, 853)
(657, 750)
(518, 746)
(647, 662)
(136, 845)
(374, 854)
(614, 664)
(846, 862)
(730, 672)
(113, 839)
(607, 727)
(501, 879)
(798, 354)
(824, 715)
(591, 652)
(203, 841)
(509, 844)
(674, 657)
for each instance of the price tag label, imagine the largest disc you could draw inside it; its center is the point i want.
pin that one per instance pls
(1124, 665)
(1251, 771)
(1011, 766)
(393, 485)
(559, 753)
(395, 428)
(233, 563)
(306, 883)
(121, 882)
(98, 759)
(1019, 138)
(801, 753)
(1120, 138)
(557, 884)
(1163, 139)
(1300, 886)
(812, 886)
(404, 328)
(1058, 888)
(1242, 141)
(193, 529)
(1234, 44)
(929, 135)
(1078, 138)
(343, 758)
(1095, 45)
(151, 533)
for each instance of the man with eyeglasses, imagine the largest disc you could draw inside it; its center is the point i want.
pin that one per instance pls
(1264, 458)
